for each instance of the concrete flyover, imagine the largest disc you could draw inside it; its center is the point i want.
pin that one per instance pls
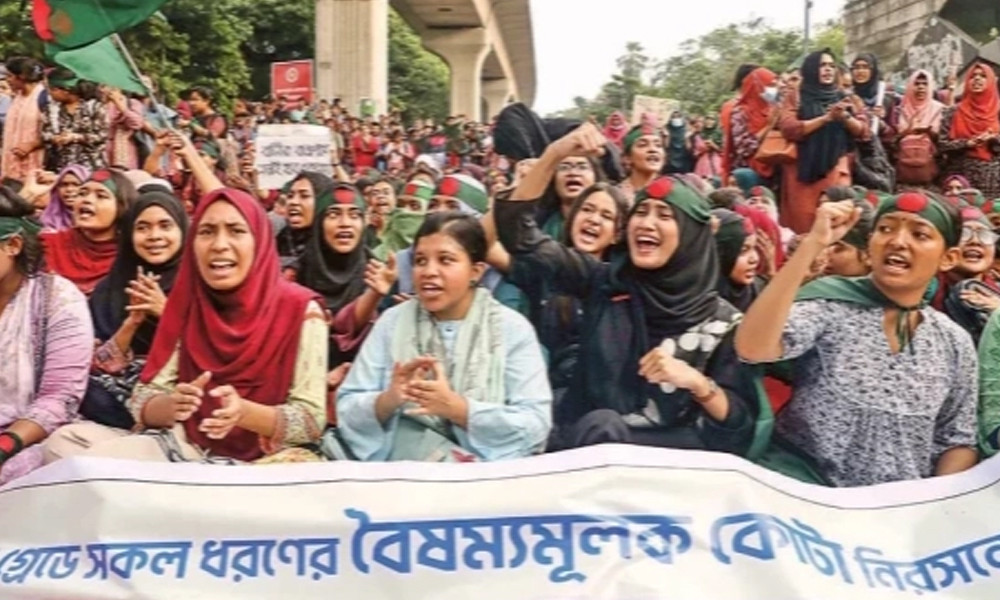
(487, 44)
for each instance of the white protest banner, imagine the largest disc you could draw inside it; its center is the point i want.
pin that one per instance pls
(604, 523)
(660, 107)
(284, 151)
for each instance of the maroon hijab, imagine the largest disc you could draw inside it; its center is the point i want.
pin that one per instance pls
(247, 338)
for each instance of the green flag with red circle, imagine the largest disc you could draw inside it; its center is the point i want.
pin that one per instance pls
(72, 24)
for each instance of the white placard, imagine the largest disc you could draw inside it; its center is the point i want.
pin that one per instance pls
(284, 151)
(659, 107)
(604, 523)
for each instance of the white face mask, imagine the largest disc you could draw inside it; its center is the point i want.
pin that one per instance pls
(770, 94)
(676, 122)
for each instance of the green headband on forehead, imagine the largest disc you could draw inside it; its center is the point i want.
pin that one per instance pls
(925, 208)
(64, 84)
(210, 149)
(677, 194)
(103, 177)
(637, 132)
(340, 195)
(11, 226)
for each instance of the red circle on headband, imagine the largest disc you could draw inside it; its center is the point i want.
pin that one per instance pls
(101, 176)
(912, 202)
(660, 188)
(344, 196)
(450, 186)
(971, 213)
(756, 191)
(411, 189)
(872, 199)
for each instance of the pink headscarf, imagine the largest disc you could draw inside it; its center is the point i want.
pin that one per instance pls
(616, 128)
(916, 113)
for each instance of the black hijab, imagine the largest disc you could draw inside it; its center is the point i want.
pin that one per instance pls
(819, 151)
(729, 239)
(681, 293)
(292, 243)
(108, 302)
(339, 278)
(868, 91)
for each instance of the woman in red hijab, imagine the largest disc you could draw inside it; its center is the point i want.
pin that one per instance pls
(615, 129)
(751, 116)
(84, 253)
(970, 132)
(237, 369)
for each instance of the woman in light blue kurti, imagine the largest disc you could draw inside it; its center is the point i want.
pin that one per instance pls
(451, 376)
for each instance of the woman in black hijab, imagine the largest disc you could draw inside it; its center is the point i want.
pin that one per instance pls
(823, 122)
(657, 365)
(867, 76)
(339, 266)
(305, 193)
(127, 304)
(736, 243)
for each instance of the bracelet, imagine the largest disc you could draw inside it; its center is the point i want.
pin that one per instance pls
(713, 389)
(10, 444)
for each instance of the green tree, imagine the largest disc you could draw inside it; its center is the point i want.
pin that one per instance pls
(418, 79)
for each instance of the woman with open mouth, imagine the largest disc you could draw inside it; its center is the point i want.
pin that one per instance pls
(339, 267)
(237, 370)
(58, 215)
(657, 365)
(574, 174)
(451, 375)
(84, 253)
(644, 156)
(885, 387)
(127, 305)
(970, 132)
(47, 343)
(295, 234)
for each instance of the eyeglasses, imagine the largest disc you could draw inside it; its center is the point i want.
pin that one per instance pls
(984, 236)
(582, 167)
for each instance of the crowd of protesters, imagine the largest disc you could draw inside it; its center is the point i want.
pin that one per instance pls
(807, 279)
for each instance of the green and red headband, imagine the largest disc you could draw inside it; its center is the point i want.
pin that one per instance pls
(466, 190)
(992, 207)
(924, 207)
(11, 226)
(637, 132)
(209, 148)
(344, 194)
(103, 177)
(677, 194)
(759, 191)
(420, 190)
(973, 214)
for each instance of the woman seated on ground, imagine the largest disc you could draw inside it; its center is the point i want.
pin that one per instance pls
(58, 214)
(969, 292)
(739, 260)
(657, 366)
(84, 253)
(451, 376)
(337, 265)
(46, 343)
(238, 366)
(127, 304)
(885, 388)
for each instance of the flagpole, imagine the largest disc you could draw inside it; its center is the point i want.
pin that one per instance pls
(138, 74)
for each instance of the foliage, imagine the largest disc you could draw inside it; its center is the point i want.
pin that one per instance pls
(701, 76)
(418, 79)
(230, 45)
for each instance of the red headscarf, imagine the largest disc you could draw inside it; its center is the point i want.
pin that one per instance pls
(751, 102)
(766, 226)
(615, 133)
(247, 338)
(74, 256)
(978, 112)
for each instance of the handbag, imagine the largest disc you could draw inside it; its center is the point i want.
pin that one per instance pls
(774, 148)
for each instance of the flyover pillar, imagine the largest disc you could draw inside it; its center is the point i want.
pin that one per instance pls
(496, 93)
(352, 52)
(465, 51)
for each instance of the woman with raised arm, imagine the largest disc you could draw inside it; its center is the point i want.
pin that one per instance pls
(885, 389)
(657, 365)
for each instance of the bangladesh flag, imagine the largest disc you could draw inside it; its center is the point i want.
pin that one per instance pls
(76, 23)
(100, 62)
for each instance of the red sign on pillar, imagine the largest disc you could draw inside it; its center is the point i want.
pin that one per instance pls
(292, 79)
